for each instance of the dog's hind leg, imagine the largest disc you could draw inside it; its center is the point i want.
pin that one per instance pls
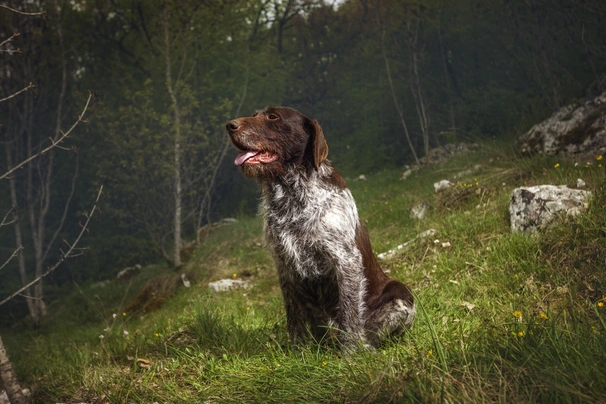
(394, 316)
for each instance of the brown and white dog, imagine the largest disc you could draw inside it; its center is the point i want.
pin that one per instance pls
(328, 273)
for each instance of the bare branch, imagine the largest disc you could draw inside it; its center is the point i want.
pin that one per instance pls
(28, 297)
(5, 218)
(64, 255)
(22, 12)
(31, 85)
(54, 143)
(10, 51)
(67, 203)
(7, 40)
(13, 255)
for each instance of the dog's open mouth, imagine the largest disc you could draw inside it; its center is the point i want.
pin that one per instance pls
(255, 157)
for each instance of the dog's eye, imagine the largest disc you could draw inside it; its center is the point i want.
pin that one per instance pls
(272, 117)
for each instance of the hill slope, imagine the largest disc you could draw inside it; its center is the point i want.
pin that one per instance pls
(501, 317)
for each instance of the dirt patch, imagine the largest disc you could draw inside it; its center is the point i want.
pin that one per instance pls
(155, 291)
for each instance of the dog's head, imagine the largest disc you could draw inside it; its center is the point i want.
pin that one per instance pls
(275, 138)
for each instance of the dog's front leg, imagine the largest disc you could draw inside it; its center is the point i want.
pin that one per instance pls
(296, 316)
(352, 309)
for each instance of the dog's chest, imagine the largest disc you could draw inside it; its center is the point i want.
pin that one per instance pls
(308, 225)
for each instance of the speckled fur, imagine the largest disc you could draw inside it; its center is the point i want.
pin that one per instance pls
(328, 274)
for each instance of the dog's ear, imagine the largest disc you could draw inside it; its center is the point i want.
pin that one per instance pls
(317, 146)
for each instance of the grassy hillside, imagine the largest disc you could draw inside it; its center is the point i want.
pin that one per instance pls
(501, 317)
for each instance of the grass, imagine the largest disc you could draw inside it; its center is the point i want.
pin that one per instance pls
(501, 317)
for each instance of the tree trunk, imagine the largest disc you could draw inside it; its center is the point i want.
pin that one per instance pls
(176, 150)
(453, 126)
(42, 171)
(19, 241)
(9, 379)
(205, 205)
(395, 101)
(415, 87)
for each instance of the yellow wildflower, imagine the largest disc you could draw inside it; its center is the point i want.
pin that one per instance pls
(157, 334)
(429, 353)
(543, 315)
(324, 363)
(235, 275)
(123, 314)
(556, 165)
(599, 158)
(520, 334)
(600, 304)
(517, 314)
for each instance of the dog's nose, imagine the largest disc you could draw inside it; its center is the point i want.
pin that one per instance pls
(232, 125)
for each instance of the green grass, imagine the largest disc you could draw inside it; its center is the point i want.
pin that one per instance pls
(501, 317)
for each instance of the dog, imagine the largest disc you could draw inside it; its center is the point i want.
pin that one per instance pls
(329, 276)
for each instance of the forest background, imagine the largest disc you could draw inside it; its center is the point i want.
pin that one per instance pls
(387, 80)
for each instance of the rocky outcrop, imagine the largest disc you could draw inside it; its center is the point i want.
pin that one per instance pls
(225, 285)
(419, 211)
(128, 272)
(439, 155)
(444, 153)
(533, 208)
(442, 185)
(574, 129)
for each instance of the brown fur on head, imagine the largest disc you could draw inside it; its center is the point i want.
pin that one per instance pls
(274, 139)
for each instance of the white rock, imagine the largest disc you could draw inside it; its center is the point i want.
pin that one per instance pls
(575, 128)
(533, 208)
(128, 272)
(227, 220)
(186, 282)
(427, 233)
(391, 253)
(100, 284)
(419, 211)
(580, 183)
(442, 185)
(225, 285)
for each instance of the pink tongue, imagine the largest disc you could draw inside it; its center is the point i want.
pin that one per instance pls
(244, 156)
